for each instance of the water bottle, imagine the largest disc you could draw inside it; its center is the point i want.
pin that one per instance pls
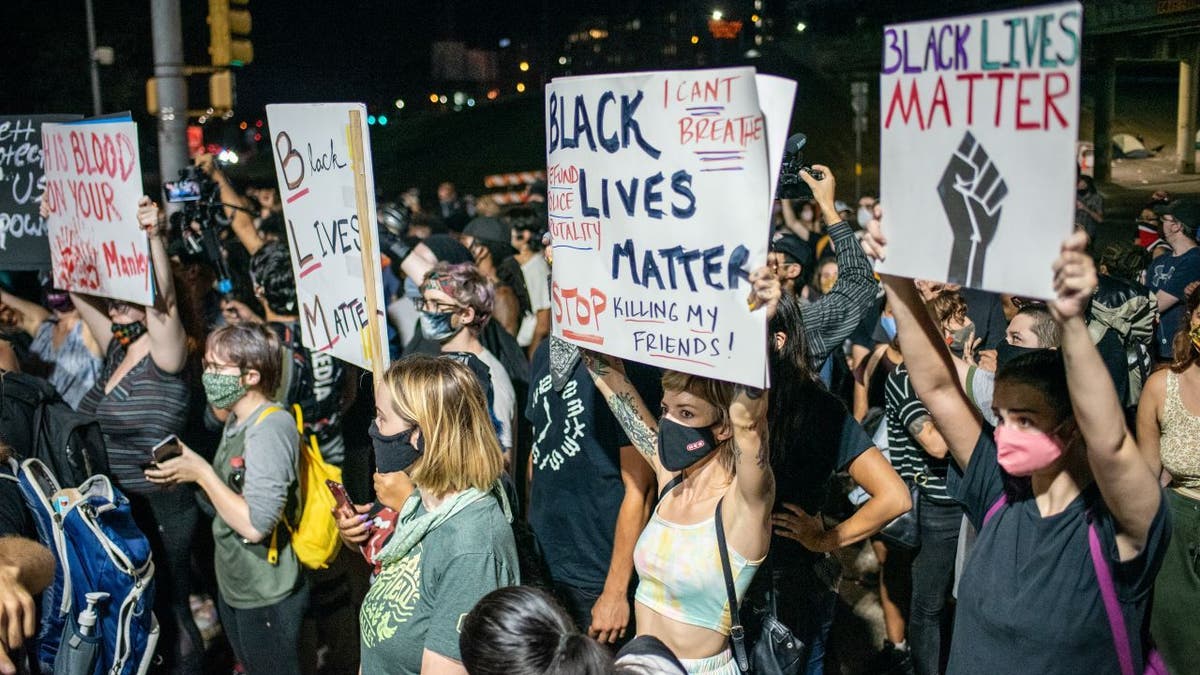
(238, 464)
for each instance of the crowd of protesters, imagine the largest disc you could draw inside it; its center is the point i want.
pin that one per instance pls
(519, 505)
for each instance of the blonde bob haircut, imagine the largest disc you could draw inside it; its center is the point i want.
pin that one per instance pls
(443, 399)
(717, 393)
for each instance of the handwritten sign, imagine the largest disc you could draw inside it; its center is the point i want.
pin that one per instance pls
(23, 244)
(93, 183)
(315, 167)
(659, 203)
(980, 116)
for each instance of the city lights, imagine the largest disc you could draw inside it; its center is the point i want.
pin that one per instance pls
(562, 60)
(524, 66)
(371, 120)
(717, 15)
(399, 104)
(695, 39)
(227, 156)
(521, 87)
(493, 94)
(801, 26)
(433, 98)
(382, 119)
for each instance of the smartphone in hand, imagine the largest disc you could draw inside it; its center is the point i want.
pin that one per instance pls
(339, 493)
(167, 448)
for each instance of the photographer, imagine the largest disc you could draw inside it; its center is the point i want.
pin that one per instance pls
(237, 208)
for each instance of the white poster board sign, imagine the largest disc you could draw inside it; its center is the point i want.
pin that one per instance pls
(93, 183)
(979, 118)
(313, 161)
(659, 196)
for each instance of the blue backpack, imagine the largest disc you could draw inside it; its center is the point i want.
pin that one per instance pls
(98, 549)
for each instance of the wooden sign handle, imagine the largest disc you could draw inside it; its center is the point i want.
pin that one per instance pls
(370, 262)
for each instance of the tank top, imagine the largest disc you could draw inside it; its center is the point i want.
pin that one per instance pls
(680, 575)
(145, 407)
(1180, 443)
(75, 369)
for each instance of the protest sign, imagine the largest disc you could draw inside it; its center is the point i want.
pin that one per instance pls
(93, 184)
(659, 197)
(23, 244)
(979, 119)
(329, 204)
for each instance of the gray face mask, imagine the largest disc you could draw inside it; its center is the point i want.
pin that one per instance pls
(958, 339)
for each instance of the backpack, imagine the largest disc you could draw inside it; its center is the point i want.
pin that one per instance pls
(97, 549)
(40, 425)
(315, 537)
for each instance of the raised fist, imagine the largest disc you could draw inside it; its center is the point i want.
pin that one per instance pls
(971, 190)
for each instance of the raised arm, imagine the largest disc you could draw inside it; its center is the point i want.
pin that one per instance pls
(240, 220)
(95, 316)
(168, 342)
(1130, 489)
(32, 314)
(931, 370)
(640, 425)
(830, 320)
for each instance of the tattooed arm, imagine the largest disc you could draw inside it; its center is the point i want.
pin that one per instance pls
(608, 372)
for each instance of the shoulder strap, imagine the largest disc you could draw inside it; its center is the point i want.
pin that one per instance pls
(1112, 606)
(1000, 503)
(737, 634)
(671, 485)
(266, 411)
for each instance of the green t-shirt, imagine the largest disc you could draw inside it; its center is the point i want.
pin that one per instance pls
(418, 602)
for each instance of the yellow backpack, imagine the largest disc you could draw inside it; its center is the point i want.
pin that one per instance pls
(315, 536)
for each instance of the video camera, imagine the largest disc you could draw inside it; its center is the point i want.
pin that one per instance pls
(791, 185)
(199, 223)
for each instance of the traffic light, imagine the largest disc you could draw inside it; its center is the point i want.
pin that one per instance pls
(220, 90)
(229, 33)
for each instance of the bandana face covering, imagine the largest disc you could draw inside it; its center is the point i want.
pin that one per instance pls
(438, 326)
(126, 333)
(396, 452)
(681, 446)
(223, 390)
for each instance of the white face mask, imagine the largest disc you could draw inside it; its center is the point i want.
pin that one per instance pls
(864, 215)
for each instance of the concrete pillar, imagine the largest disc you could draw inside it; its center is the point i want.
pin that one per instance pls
(1185, 130)
(1106, 101)
(172, 90)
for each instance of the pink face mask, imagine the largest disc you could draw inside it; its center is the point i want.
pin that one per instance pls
(1022, 453)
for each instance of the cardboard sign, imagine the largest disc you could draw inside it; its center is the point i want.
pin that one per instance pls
(93, 183)
(659, 196)
(23, 243)
(979, 117)
(332, 262)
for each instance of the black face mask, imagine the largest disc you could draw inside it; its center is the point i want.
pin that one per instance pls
(681, 446)
(396, 452)
(1006, 352)
(126, 333)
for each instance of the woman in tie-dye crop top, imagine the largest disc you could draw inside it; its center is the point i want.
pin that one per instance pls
(709, 451)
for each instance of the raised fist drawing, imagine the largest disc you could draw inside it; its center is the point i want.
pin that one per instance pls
(971, 190)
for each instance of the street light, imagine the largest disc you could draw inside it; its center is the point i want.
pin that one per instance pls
(717, 15)
(433, 98)
(695, 39)
(521, 87)
(524, 66)
(399, 104)
(801, 26)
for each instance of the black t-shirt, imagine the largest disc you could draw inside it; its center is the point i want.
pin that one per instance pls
(1029, 597)
(833, 439)
(577, 489)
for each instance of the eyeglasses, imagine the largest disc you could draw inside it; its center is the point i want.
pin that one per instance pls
(217, 365)
(433, 306)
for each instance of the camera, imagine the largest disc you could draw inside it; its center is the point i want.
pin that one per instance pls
(199, 223)
(791, 185)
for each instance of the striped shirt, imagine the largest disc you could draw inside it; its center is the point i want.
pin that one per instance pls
(910, 460)
(146, 406)
(75, 369)
(832, 318)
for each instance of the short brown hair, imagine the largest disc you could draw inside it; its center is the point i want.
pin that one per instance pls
(946, 306)
(443, 398)
(250, 346)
